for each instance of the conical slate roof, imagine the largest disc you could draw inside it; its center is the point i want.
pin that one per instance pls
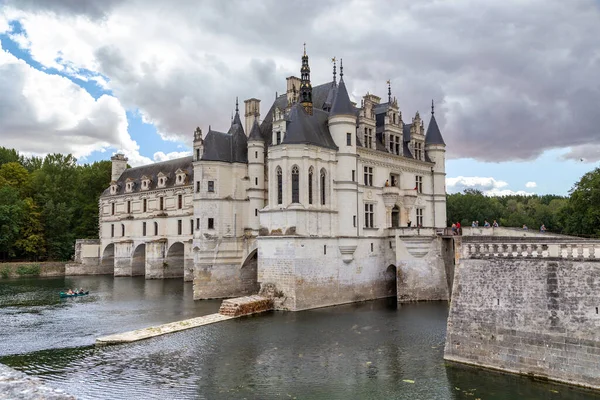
(433, 135)
(255, 134)
(239, 142)
(342, 104)
(231, 147)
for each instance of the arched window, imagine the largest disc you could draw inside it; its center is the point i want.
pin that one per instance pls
(323, 182)
(279, 186)
(156, 229)
(295, 184)
(310, 185)
(122, 230)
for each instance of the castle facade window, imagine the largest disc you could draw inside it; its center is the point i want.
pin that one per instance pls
(295, 184)
(419, 183)
(323, 187)
(310, 184)
(156, 229)
(368, 175)
(211, 186)
(369, 215)
(279, 185)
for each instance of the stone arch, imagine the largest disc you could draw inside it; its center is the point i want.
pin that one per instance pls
(138, 260)
(173, 264)
(391, 283)
(108, 259)
(249, 273)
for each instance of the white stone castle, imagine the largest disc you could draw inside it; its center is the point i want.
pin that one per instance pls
(315, 203)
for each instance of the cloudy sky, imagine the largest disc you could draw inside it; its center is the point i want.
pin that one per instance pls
(516, 82)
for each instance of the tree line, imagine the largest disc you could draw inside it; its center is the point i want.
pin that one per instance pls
(577, 214)
(46, 203)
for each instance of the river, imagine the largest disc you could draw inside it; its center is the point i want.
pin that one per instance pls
(370, 350)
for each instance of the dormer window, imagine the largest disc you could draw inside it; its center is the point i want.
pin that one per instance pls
(129, 185)
(145, 182)
(114, 187)
(162, 180)
(180, 177)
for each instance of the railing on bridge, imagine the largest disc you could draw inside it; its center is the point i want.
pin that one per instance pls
(421, 231)
(531, 248)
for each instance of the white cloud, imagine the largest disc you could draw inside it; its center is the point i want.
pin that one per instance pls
(42, 113)
(487, 185)
(160, 156)
(530, 185)
(474, 182)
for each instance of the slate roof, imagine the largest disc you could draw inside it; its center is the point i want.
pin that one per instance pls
(308, 129)
(151, 171)
(342, 104)
(319, 94)
(433, 135)
(231, 147)
(255, 132)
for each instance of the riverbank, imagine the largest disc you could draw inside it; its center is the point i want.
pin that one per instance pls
(24, 269)
(19, 386)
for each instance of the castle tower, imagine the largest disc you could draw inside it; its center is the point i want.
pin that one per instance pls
(305, 86)
(342, 126)
(119, 165)
(256, 173)
(435, 147)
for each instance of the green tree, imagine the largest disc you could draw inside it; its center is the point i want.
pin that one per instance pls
(581, 215)
(8, 155)
(15, 175)
(31, 241)
(11, 220)
(92, 180)
(60, 238)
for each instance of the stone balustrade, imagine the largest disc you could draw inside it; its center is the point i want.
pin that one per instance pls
(576, 249)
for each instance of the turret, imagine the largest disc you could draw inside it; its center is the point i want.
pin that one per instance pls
(435, 147)
(198, 144)
(342, 126)
(119, 165)
(256, 173)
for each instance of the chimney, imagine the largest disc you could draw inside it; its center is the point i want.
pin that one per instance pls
(252, 113)
(119, 164)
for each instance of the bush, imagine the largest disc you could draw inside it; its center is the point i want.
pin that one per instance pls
(32, 269)
(5, 272)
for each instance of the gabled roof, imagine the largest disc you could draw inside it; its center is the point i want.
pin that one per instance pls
(342, 104)
(152, 171)
(433, 135)
(308, 129)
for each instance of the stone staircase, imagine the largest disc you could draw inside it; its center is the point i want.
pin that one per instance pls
(245, 305)
(417, 247)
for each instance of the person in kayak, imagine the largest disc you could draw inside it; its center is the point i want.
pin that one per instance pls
(70, 291)
(81, 291)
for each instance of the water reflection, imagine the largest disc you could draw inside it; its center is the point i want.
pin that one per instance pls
(371, 350)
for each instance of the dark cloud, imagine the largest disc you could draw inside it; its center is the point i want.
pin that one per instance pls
(510, 79)
(92, 9)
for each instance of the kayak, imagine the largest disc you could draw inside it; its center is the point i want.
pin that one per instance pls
(65, 295)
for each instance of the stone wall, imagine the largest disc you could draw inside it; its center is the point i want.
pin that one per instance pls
(310, 272)
(528, 307)
(225, 280)
(422, 268)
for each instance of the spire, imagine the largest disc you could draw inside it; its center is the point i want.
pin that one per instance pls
(237, 109)
(342, 104)
(255, 134)
(305, 86)
(433, 135)
(334, 77)
(389, 91)
(341, 69)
